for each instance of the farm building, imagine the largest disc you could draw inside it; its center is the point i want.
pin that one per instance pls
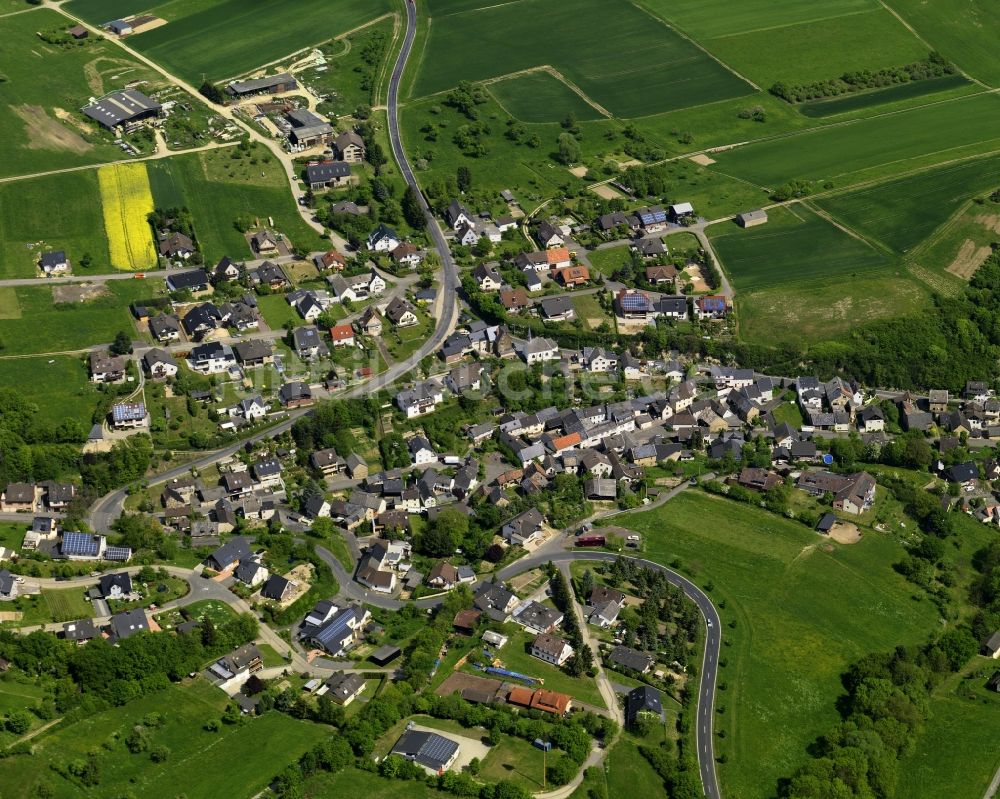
(282, 82)
(308, 129)
(124, 109)
(324, 174)
(752, 218)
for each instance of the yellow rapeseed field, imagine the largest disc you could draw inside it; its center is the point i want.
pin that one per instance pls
(127, 200)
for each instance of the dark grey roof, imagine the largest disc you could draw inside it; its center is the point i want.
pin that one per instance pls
(327, 171)
(643, 699)
(274, 587)
(426, 748)
(117, 107)
(109, 581)
(128, 623)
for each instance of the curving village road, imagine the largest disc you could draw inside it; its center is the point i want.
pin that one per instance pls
(109, 507)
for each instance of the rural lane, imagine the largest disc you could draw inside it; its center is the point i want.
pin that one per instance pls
(109, 507)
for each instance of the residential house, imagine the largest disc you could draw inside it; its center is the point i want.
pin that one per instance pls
(308, 343)
(525, 528)
(420, 399)
(195, 280)
(383, 239)
(53, 262)
(549, 236)
(401, 313)
(159, 364)
(212, 358)
(557, 309)
(572, 276)
(165, 328)
(551, 648)
(105, 368)
(324, 174)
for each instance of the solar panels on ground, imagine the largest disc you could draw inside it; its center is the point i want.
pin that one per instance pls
(117, 553)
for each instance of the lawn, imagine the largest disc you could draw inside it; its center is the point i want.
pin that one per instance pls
(902, 213)
(67, 604)
(229, 190)
(516, 658)
(788, 412)
(517, 761)
(796, 246)
(233, 27)
(44, 86)
(541, 97)
(192, 767)
(965, 32)
(803, 610)
(71, 326)
(874, 147)
(276, 311)
(957, 248)
(58, 386)
(590, 311)
(34, 217)
(658, 71)
(608, 260)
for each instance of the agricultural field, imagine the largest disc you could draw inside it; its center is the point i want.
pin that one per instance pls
(796, 246)
(195, 754)
(902, 213)
(31, 321)
(960, 246)
(659, 71)
(541, 97)
(127, 201)
(233, 28)
(230, 190)
(35, 217)
(964, 32)
(872, 148)
(44, 87)
(710, 19)
(916, 91)
(804, 609)
(810, 51)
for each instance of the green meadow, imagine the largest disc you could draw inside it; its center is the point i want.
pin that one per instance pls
(798, 610)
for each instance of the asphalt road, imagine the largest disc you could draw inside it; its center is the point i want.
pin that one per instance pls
(710, 659)
(109, 507)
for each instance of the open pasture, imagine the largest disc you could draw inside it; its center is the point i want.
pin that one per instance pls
(193, 766)
(44, 87)
(541, 97)
(45, 327)
(873, 147)
(221, 190)
(57, 385)
(35, 217)
(220, 39)
(796, 246)
(804, 608)
(658, 71)
(902, 213)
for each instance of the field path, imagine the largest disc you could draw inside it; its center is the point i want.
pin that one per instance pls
(285, 159)
(555, 73)
(35, 733)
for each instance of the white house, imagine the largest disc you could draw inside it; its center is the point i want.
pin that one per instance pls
(551, 648)
(212, 358)
(383, 239)
(420, 399)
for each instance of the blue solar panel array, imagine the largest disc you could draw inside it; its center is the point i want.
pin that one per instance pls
(117, 553)
(649, 216)
(128, 412)
(635, 302)
(81, 544)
